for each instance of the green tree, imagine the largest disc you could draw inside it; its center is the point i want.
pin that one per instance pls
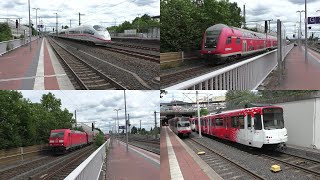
(238, 99)
(99, 139)
(134, 130)
(184, 22)
(5, 32)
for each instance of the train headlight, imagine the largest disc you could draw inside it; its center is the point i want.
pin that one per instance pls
(51, 141)
(61, 141)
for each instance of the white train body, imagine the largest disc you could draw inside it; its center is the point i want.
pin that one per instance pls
(180, 126)
(95, 34)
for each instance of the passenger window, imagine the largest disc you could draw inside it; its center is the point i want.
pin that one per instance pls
(212, 122)
(219, 122)
(234, 122)
(249, 121)
(257, 122)
(229, 40)
(241, 122)
(238, 40)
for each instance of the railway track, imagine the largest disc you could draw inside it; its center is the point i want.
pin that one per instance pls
(86, 76)
(141, 55)
(150, 146)
(224, 166)
(309, 166)
(63, 168)
(136, 46)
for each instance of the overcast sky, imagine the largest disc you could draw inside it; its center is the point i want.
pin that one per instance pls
(284, 10)
(189, 96)
(99, 105)
(96, 11)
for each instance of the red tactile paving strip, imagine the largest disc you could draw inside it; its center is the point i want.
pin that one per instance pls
(189, 167)
(125, 166)
(164, 161)
(50, 83)
(15, 64)
(298, 74)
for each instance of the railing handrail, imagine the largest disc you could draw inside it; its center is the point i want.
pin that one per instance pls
(197, 80)
(13, 40)
(76, 172)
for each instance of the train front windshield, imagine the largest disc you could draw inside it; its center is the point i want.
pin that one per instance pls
(211, 39)
(99, 28)
(183, 124)
(273, 118)
(57, 134)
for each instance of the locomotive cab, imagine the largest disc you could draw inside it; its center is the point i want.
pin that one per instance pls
(58, 140)
(102, 32)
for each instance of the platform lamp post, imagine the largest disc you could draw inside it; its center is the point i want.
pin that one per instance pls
(299, 33)
(125, 112)
(56, 23)
(306, 32)
(30, 30)
(198, 109)
(117, 118)
(36, 19)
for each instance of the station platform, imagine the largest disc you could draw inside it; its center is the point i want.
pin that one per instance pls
(134, 164)
(38, 69)
(301, 75)
(179, 162)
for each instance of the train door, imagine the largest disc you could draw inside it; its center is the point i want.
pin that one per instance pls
(227, 127)
(244, 46)
(249, 130)
(258, 133)
(69, 139)
(208, 125)
(212, 126)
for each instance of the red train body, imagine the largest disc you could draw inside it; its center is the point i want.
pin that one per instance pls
(221, 42)
(62, 140)
(254, 127)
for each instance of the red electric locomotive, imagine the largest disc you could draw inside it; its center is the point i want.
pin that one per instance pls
(221, 42)
(256, 126)
(62, 140)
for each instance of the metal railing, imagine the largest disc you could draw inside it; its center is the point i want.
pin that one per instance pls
(248, 74)
(91, 167)
(7, 46)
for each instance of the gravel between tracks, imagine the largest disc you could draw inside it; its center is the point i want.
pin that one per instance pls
(146, 70)
(254, 162)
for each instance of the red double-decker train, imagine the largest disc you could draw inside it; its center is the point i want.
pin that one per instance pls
(221, 42)
(255, 126)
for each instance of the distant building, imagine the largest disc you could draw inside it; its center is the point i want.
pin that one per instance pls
(16, 32)
(156, 18)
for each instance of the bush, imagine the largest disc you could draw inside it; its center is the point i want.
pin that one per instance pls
(99, 140)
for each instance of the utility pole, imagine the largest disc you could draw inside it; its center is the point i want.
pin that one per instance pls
(56, 23)
(198, 115)
(306, 32)
(30, 30)
(79, 18)
(125, 111)
(117, 118)
(127, 122)
(36, 19)
(138, 23)
(140, 125)
(244, 15)
(75, 116)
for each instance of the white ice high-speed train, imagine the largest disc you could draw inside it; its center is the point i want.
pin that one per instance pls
(96, 34)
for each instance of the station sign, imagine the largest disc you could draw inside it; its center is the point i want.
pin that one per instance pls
(314, 20)
(122, 127)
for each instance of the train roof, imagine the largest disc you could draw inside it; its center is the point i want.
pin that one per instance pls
(221, 26)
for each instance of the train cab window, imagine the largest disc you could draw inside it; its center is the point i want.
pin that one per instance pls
(229, 40)
(249, 121)
(241, 122)
(257, 122)
(57, 134)
(234, 122)
(219, 122)
(238, 40)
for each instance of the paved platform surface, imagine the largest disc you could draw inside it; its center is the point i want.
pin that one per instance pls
(136, 164)
(301, 75)
(179, 162)
(38, 69)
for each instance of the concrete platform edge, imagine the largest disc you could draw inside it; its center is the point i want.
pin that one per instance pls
(204, 166)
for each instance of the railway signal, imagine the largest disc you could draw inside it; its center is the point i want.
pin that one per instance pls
(265, 26)
(17, 24)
